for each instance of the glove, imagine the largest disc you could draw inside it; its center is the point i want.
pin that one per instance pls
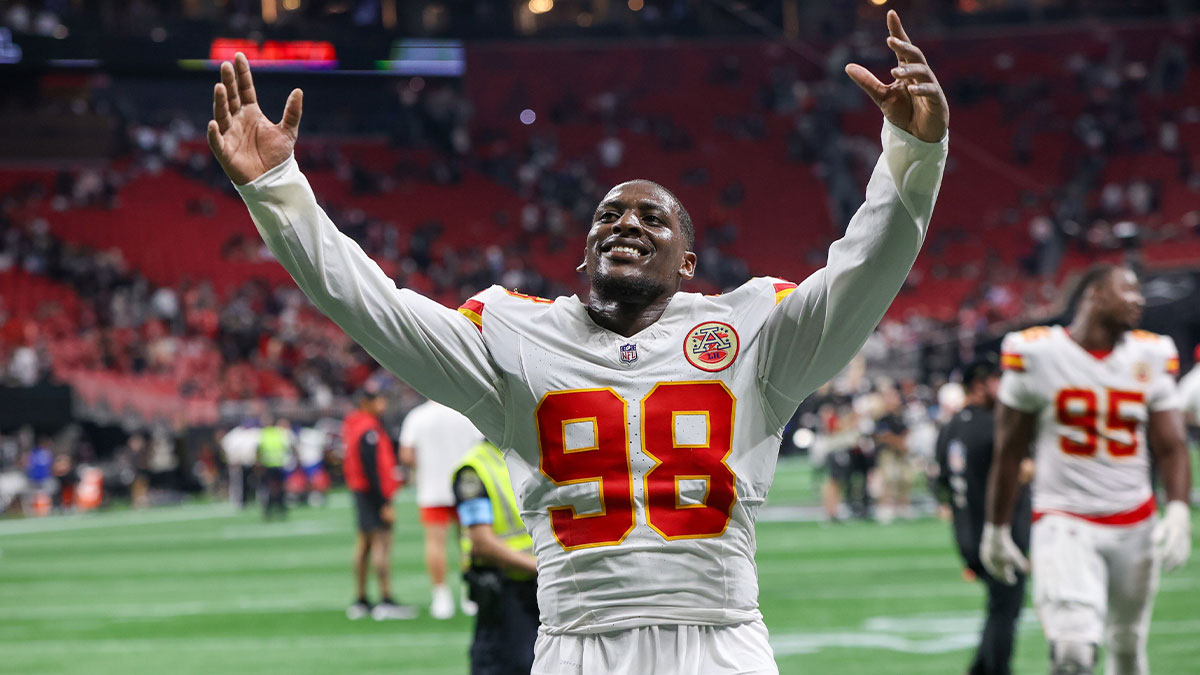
(1173, 536)
(1000, 555)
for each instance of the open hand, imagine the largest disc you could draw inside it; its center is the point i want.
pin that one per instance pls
(244, 141)
(1173, 536)
(999, 553)
(914, 101)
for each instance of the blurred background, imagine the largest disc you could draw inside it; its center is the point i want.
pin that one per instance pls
(465, 144)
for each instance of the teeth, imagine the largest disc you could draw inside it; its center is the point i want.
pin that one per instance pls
(626, 249)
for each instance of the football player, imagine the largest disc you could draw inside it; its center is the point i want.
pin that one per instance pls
(433, 439)
(1094, 400)
(640, 425)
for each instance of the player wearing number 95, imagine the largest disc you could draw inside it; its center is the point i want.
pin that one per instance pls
(640, 425)
(1088, 398)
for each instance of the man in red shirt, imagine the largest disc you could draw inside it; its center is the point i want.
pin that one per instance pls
(369, 465)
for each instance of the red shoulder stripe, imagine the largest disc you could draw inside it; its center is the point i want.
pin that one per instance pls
(782, 290)
(1011, 361)
(473, 310)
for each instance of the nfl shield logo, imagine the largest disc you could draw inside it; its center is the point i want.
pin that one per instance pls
(628, 354)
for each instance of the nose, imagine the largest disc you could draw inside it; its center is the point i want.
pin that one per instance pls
(628, 223)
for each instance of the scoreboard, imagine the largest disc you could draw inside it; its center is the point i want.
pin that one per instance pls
(371, 56)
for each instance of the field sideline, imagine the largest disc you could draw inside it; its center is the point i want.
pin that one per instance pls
(200, 589)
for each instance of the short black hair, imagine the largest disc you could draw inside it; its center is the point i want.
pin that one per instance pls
(685, 219)
(1089, 279)
(978, 370)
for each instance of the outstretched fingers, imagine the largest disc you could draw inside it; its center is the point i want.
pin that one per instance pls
(917, 78)
(215, 142)
(895, 28)
(291, 113)
(221, 107)
(245, 83)
(867, 82)
(913, 73)
(230, 81)
(928, 90)
(906, 52)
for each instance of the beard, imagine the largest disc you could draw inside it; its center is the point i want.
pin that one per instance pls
(639, 289)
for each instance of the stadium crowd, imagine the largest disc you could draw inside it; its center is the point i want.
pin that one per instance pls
(94, 311)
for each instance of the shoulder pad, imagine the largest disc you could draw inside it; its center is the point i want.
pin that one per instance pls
(474, 308)
(782, 289)
(762, 286)
(1033, 334)
(498, 298)
(1015, 349)
(1144, 336)
(530, 298)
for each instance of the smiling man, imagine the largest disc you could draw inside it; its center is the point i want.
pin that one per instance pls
(640, 426)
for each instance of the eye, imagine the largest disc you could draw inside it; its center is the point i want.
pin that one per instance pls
(607, 217)
(655, 220)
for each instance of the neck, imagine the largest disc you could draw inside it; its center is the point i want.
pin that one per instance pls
(1093, 335)
(625, 317)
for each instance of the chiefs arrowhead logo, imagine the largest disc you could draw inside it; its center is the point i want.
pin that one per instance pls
(711, 346)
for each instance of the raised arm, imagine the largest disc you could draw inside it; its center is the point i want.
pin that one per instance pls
(434, 349)
(817, 329)
(244, 141)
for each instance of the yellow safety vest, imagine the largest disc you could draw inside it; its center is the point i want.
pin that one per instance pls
(272, 447)
(489, 465)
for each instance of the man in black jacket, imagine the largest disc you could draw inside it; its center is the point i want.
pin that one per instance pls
(964, 455)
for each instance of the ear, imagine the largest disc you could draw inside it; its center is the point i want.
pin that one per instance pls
(687, 270)
(582, 267)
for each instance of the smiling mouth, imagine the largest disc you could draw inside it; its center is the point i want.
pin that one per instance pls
(616, 249)
(625, 252)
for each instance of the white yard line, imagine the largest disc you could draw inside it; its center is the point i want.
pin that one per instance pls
(153, 516)
(925, 634)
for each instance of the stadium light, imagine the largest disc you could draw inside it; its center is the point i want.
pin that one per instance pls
(879, 3)
(636, 5)
(540, 6)
(528, 117)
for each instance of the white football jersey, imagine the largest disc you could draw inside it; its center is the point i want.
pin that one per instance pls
(241, 445)
(639, 462)
(441, 437)
(310, 446)
(1092, 410)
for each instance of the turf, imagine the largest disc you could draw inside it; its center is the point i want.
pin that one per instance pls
(200, 589)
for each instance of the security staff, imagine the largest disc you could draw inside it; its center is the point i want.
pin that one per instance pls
(500, 569)
(964, 455)
(274, 447)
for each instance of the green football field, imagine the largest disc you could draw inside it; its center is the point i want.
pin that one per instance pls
(200, 589)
